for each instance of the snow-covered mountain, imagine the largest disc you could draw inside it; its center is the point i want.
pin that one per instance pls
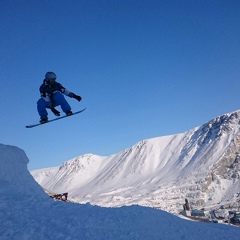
(26, 212)
(202, 164)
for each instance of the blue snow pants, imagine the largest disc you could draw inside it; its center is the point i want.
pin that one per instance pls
(57, 99)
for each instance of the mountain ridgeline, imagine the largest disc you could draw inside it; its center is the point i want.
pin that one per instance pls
(202, 164)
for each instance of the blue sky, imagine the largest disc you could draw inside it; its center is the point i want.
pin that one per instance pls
(144, 69)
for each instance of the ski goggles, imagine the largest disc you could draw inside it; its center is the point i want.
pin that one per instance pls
(51, 80)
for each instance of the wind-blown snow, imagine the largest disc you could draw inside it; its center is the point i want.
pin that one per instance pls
(27, 213)
(201, 164)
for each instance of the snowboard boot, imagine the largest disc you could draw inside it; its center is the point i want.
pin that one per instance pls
(69, 113)
(43, 120)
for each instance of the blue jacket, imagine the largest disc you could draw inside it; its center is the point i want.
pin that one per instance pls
(47, 90)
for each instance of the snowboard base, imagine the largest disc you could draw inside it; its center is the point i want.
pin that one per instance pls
(55, 119)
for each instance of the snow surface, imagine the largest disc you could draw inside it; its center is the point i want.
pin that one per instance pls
(159, 172)
(27, 213)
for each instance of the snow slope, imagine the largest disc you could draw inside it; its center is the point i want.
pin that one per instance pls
(201, 164)
(27, 213)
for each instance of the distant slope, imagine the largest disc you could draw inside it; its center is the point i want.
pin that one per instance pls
(201, 164)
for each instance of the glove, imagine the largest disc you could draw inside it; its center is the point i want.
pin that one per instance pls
(72, 95)
(55, 111)
(79, 98)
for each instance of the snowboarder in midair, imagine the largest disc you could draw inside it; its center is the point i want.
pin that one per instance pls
(52, 96)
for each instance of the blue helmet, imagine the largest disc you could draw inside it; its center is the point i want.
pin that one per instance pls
(50, 75)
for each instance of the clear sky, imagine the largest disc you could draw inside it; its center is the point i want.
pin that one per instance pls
(144, 68)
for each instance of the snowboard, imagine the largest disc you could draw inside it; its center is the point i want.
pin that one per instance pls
(55, 119)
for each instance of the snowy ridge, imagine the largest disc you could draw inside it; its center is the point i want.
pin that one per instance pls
(26, 212)
(200, 164)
